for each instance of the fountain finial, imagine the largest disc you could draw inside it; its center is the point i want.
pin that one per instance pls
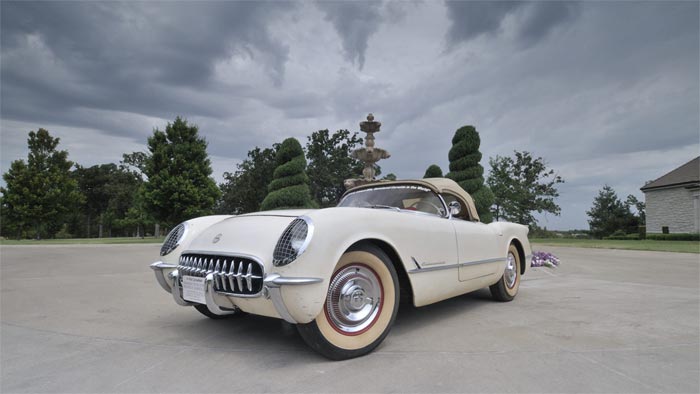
(369, 155)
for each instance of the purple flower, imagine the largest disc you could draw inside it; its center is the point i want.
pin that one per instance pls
(544, 259)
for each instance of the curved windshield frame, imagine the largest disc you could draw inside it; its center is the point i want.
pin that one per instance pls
(408, 198)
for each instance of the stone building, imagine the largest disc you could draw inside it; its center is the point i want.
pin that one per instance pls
(672, 204)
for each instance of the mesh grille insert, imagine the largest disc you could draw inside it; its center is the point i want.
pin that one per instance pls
(284, 253)
(171, 241)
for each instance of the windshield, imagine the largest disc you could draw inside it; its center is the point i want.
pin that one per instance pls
(411, 198)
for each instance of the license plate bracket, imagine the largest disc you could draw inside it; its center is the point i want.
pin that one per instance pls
(193, 288)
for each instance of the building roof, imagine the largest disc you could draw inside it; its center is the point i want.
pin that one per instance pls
(438, 185)
(686, 175)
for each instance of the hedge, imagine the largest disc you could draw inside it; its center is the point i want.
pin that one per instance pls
(674, 237)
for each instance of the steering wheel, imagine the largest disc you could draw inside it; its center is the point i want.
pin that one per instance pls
(417, 205)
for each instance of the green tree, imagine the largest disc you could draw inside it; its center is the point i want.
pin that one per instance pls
(39, 193)
(639, 206)
(609, 214)
(244, 190)
(330, 164)
(92, 183)
(290, 184)
(178, 169)
(434, 171)
(521, 186)
(467, 172)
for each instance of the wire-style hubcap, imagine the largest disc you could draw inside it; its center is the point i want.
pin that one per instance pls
(511, 273)
(354, 299)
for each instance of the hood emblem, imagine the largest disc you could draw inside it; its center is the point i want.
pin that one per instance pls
(216, 238)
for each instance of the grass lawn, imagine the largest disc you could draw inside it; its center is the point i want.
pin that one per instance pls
(659, 246)
(86, 241)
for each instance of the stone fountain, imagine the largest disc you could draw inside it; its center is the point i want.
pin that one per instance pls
(369, 154)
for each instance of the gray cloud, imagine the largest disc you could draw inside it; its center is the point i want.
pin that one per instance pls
(136, 57)
(355, 22)
(605, 92)
(534, 20)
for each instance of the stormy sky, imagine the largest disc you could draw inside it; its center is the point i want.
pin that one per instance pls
(606, 92)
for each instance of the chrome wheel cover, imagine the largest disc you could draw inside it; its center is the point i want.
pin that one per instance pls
(511, 273)
(354, 299)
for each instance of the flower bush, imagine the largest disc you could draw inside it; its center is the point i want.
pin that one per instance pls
(544, 259)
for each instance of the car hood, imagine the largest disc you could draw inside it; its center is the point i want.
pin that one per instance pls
(253, 234)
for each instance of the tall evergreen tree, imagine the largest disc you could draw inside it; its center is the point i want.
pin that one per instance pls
(467, 172)
(178, 169)
(40, 192)
(290, 185)
(609, 214)
(434, 171)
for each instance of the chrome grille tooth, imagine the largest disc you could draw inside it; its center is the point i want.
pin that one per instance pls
(199, 266)
(210, 268)
(231, 274)
(239, 276)
(248, 279)
(217, 274)
(224, 280)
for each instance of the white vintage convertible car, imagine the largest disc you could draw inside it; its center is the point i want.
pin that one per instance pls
(339, 273)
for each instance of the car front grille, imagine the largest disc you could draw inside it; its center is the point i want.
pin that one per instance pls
(240, 276)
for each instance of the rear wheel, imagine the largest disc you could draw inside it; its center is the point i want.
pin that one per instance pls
(507, 287)
(360, 308)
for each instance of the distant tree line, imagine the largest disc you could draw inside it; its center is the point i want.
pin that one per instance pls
(48, 196)
(148, 192)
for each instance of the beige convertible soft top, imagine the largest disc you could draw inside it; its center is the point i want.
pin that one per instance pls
(438, 185)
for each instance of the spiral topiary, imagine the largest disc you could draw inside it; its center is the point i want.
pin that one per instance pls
(467, 172)
(290, 184)
(434, 171)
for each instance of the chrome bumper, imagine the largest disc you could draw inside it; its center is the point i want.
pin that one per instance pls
(271, 290)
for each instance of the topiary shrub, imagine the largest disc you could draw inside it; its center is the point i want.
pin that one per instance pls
(467, 172)
(290, 184)
(434, 171)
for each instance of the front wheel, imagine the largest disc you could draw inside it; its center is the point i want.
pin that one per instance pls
(205, 311)
(360, 308)
(507, 287)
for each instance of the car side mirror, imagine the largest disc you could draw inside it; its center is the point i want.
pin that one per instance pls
(455, 208)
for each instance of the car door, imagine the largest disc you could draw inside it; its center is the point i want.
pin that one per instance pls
(477, 249)
(477, 244)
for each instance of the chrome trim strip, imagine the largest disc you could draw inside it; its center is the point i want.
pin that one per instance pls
(217, 253)
(281, 281)
(496, 260)
(272, 286)
(448, 266)
(158, 268)
(309, 234)
(434, 268)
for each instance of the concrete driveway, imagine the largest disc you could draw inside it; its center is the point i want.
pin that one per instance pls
(93, 319)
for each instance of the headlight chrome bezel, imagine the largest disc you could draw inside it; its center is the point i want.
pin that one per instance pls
(285, 242)
(174, 244)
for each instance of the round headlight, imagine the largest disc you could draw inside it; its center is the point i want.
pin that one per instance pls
(172, 241)
(293, 242)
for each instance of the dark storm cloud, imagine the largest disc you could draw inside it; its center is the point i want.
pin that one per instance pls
(471, 19)
(134, 57)
(606, 92)
(355, 22)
